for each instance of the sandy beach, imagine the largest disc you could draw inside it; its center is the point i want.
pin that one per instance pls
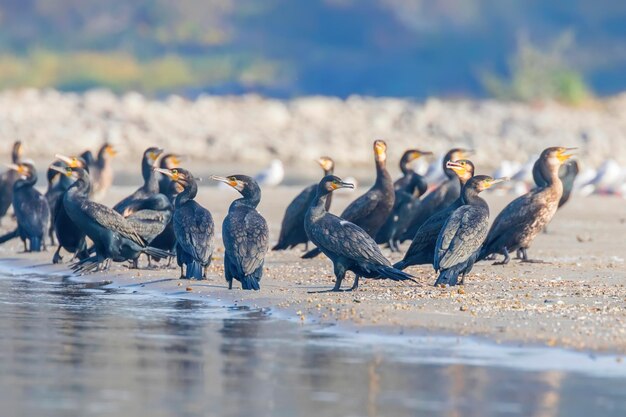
(577, 299)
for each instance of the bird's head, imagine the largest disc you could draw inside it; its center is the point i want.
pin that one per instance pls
(330, 183)
(108, 150)
(380, 150)
(23, 169)
(455, 154)
(171, 161)
(178, 175)
(556, 156)
(71, 161)
(463, 168)
(414, 154)
(151, 155)
(327, 163)
(484, 182)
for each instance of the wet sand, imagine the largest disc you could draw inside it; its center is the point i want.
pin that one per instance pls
(577, 299)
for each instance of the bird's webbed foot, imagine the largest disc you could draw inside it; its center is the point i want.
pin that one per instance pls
(506, 259)
(57, 258)
(525, 259)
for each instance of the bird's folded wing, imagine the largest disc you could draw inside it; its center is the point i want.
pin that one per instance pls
(112, 220)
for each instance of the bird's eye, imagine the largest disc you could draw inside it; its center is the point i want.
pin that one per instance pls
(174, 171)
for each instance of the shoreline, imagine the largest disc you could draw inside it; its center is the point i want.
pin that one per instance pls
(577, 301)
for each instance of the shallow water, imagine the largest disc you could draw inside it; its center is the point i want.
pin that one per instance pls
(69, 349)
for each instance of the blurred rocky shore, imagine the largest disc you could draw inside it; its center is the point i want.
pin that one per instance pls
(252, 129)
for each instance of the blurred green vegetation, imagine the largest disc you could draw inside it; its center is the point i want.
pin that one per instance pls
(540, 74)
(410, 48)
(121, 71)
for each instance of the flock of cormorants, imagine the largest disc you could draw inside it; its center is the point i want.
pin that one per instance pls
(448, 227)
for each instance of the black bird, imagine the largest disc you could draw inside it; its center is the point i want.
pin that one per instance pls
(422, 249)
(69, 235)
(8, 178)
(444, 195)
(193, 226)
(114, 237)
(100, 169)
(525, 217)
(292, 231)
(166, 240)
(150, 185)
(567, 173)
(371, 210)
(408, 190)
(461, 237)
(348, 246)
(151, 217)
(31, 208)
(245, 234)
(169, 161)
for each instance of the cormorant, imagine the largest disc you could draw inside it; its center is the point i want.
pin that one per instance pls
(422, 249)
(100, 169)
(348, 246)
(462, 235)
(167, 239)
(245, 234)
(31, 208)
(193, 226)
(408, 190)
(440, 198)
(114, 237)
(150, 183)
(8, 178)
(567, 173)
(371, 210)
(292, 231)
(519, 223)
(69, 235)
(169, 161)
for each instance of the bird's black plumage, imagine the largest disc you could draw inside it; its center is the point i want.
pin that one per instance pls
(7, 179)
(408, 190)
(525, 217)
(70, 236)
(151, 217)
(348, 246)
(114, 237)
(193, 226)
(149, 188)
(463, 233)
(31, 209)
(371, 210)
(444, 195)
(422, 249)
(292, 231)
(245, 234)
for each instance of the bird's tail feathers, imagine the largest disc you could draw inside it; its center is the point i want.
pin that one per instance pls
(448, 277)
(311, 254)
(401, 265)
(11, 235)
(392, 273)
(158, 253)
(35, 244)
(249, 282)
(194, 270)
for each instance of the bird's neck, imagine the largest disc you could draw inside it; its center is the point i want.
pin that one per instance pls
(247, 201)
(189, 193)
(80, 188)
(404, 168)
(318, 205)
(471, 197)
(382, 175)
(551, 175)
(26, 182)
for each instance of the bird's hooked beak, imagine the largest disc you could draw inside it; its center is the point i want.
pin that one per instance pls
(65, 171)
(71, 161)
(171, 173)
(495, 181)
(341, 184)
(562, 156)
(456, 167)
(236, 184)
